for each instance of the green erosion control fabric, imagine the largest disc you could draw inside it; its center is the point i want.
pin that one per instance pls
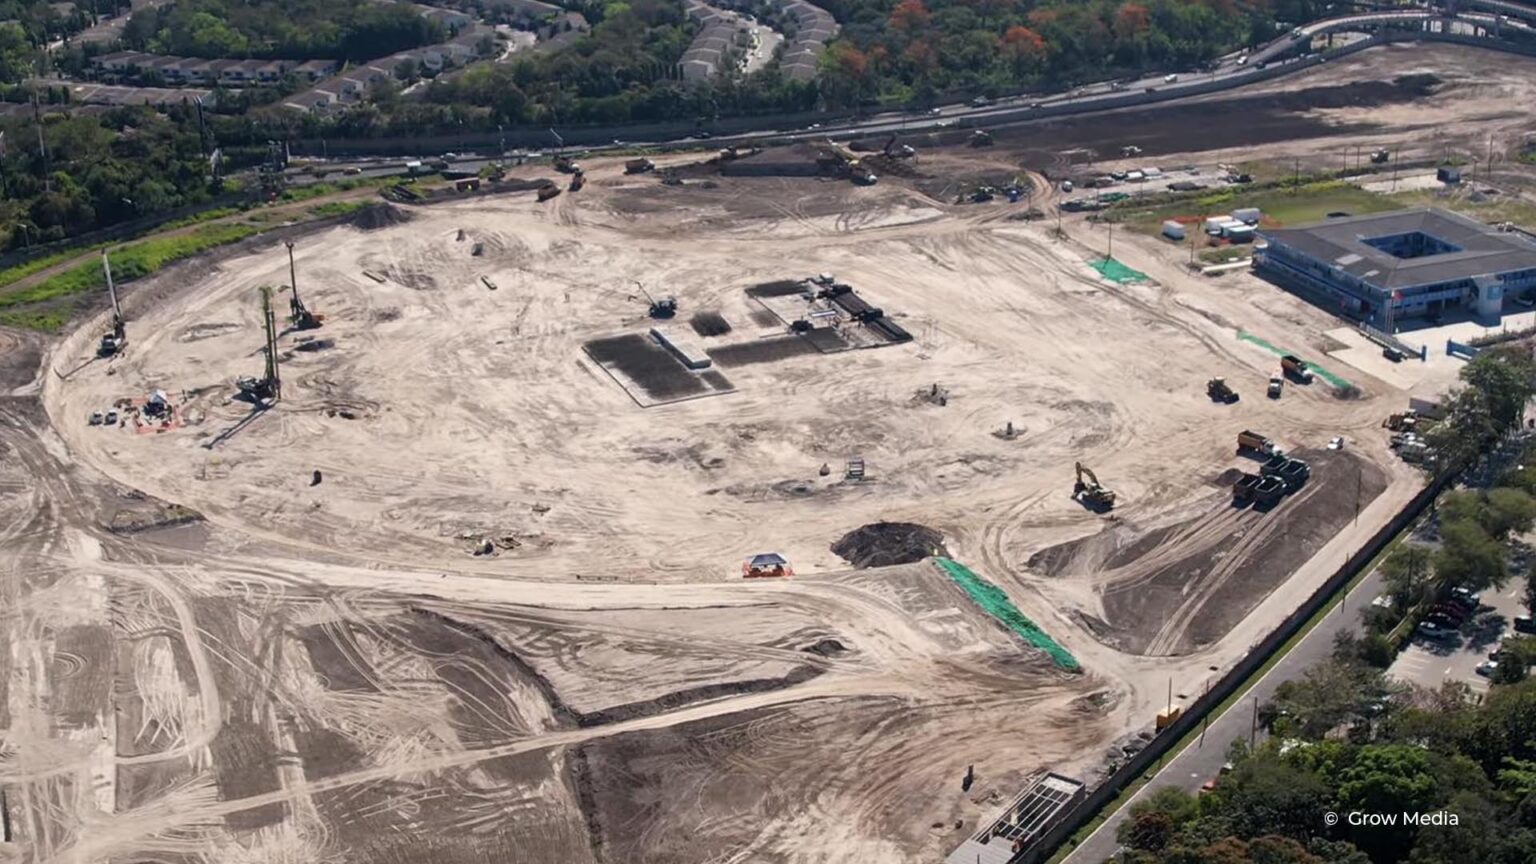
(995, 603)
(1317, 370)
(1114, 271)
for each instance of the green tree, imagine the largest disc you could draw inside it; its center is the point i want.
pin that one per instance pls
(1468, 557)
(1504, 375)
(1407, 574)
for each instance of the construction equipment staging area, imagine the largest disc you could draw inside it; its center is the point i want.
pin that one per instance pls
(511, 610)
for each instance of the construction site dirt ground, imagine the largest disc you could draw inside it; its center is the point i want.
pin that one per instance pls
(509, 620)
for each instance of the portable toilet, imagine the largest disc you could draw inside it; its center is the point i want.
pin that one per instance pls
(1173, 230)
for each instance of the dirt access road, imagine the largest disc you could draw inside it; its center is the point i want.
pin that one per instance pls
(330, 671)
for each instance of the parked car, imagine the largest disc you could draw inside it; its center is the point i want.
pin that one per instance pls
(1466, 597)
(1487, 668)
(96, 418)
(1392, 354)
(1208, 786)
(111, 419)
(1525, 624)
(1440, 619)
(1431, 630)
(1457, 615)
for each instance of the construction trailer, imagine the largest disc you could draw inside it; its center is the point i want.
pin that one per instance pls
(269, 387)
(766, 565)
(115, 339)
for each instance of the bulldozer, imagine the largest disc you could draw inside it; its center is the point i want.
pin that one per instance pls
(1220, 391)
(1087, 491)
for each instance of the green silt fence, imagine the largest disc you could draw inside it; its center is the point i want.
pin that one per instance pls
(996, 603)
(1114, 271)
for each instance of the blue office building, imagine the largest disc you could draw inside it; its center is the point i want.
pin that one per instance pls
(1421, 262)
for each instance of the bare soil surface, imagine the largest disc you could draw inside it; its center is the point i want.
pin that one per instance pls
(509, 622)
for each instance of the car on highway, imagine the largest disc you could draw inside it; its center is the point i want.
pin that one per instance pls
(935, 111)
(944, 124)
(1170, 77)
(352, 169)
(980, 102)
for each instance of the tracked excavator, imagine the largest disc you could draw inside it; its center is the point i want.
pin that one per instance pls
(1088, 491)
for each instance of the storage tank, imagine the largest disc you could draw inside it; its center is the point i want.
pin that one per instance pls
(1173, 230)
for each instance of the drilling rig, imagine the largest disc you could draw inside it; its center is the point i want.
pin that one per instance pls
(112, 342)
(663, 307)
(268, 387)
(300, 317)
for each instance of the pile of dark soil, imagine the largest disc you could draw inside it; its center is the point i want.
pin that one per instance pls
(883, 544)
(710, 324)
(376, 216)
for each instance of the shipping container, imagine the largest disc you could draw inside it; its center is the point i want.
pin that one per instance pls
(1173, 230)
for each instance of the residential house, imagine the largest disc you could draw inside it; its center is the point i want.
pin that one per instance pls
(316, 70)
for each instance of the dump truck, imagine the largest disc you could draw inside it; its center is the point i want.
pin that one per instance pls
(639, 166)
(1242, 490)
(1268, 491)
(1292, 472)
(1248, 440)
(1088, 492)
(1276, 385)
(566, 165)
(1220, 391)
(578, 180)
(548, 191)
(1296, 368)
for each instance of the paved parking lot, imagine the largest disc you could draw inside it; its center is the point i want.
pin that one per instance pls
(1428, 663)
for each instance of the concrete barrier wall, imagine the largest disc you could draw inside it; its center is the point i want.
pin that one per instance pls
(1159, 746)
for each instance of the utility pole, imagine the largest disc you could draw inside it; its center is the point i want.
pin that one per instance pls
(1253, 727)
(1109, 251)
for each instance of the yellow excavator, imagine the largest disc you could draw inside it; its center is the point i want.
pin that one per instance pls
(1089, 493)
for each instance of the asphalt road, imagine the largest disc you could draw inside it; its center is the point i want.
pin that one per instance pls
(1203, 760)
(1234, 69)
